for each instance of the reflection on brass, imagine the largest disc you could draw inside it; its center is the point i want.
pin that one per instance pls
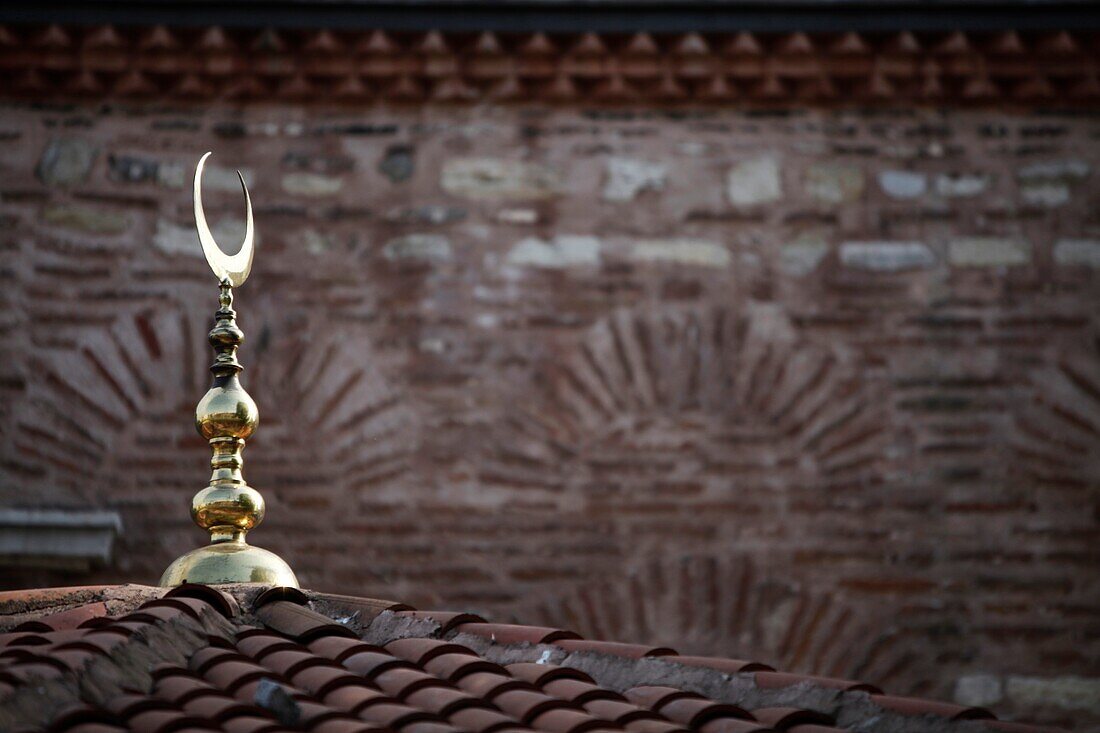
(226, 416)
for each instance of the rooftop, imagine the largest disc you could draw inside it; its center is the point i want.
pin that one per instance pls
(254, 659)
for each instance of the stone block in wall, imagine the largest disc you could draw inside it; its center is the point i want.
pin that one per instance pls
(802, 255)
(834, 183)
(880, 256)
(85, 219)
(1077, 252)
(979, 690)
(1068, 692)
(962, 185)
(398, 163)
(427, 214)
(627, 177)
(312, 184)
(754, 181)
(988, 252)
(558, 252)
(497, 178)
(1050, 184)
(419, 247)
(903, 184)
(66, 161)
(697, 252)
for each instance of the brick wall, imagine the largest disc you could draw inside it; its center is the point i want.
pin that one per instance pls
(821, 389)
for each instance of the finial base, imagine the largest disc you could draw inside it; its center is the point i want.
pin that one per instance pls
(229, 562)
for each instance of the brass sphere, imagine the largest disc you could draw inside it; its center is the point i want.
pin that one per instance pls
(227, 412)
(235, 508)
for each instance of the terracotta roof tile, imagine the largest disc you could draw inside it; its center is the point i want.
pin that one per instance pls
(526, 705)
(734, 725)
(218, 707)
(786, 718)
(354, 699)
(225, 603)
(364, 609)
(346, 726)
(619, 712)
(289, 662)
(453, 667)
(204, 659)
(481, 720)
(370, 664)
(181, 688)
(420, 651)
(732, 666)
(449, 620)
(323, 679)
(82, 714)
(654, 726)
(578, 692)
(257, 646)
(634, 651)
(428, 727)
(94, 728)
(656, 697)
(310, 714)
(166, 721)
(490, 684)
(695, 712)
(338, 648)
(918, 706)
(443, 701)
(401, 682)
(193, 607)
(565, 720)
(231, 675)
(299, 622)
(782, 679)
(515, 634)
(300, 669)
(540, 674)
(395, 715)
(251, 724)
(70, 619)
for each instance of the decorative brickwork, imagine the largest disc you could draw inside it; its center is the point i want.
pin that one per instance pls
(334, 67)
(839, 367)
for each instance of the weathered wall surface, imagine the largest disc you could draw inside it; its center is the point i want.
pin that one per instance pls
(821, 389)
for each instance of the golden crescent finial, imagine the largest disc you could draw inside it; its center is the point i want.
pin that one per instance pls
(234, 268)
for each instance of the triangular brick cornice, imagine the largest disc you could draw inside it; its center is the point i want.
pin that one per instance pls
(1055, 68)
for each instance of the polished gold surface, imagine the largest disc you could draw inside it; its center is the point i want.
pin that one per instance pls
(227, 416)
(229, 562)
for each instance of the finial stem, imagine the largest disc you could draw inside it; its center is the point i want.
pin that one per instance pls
(227, 416)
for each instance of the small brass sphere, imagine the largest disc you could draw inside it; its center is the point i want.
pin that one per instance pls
(238, 507)
(227, 412)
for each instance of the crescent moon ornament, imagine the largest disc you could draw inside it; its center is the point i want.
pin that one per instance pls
(234, 268)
